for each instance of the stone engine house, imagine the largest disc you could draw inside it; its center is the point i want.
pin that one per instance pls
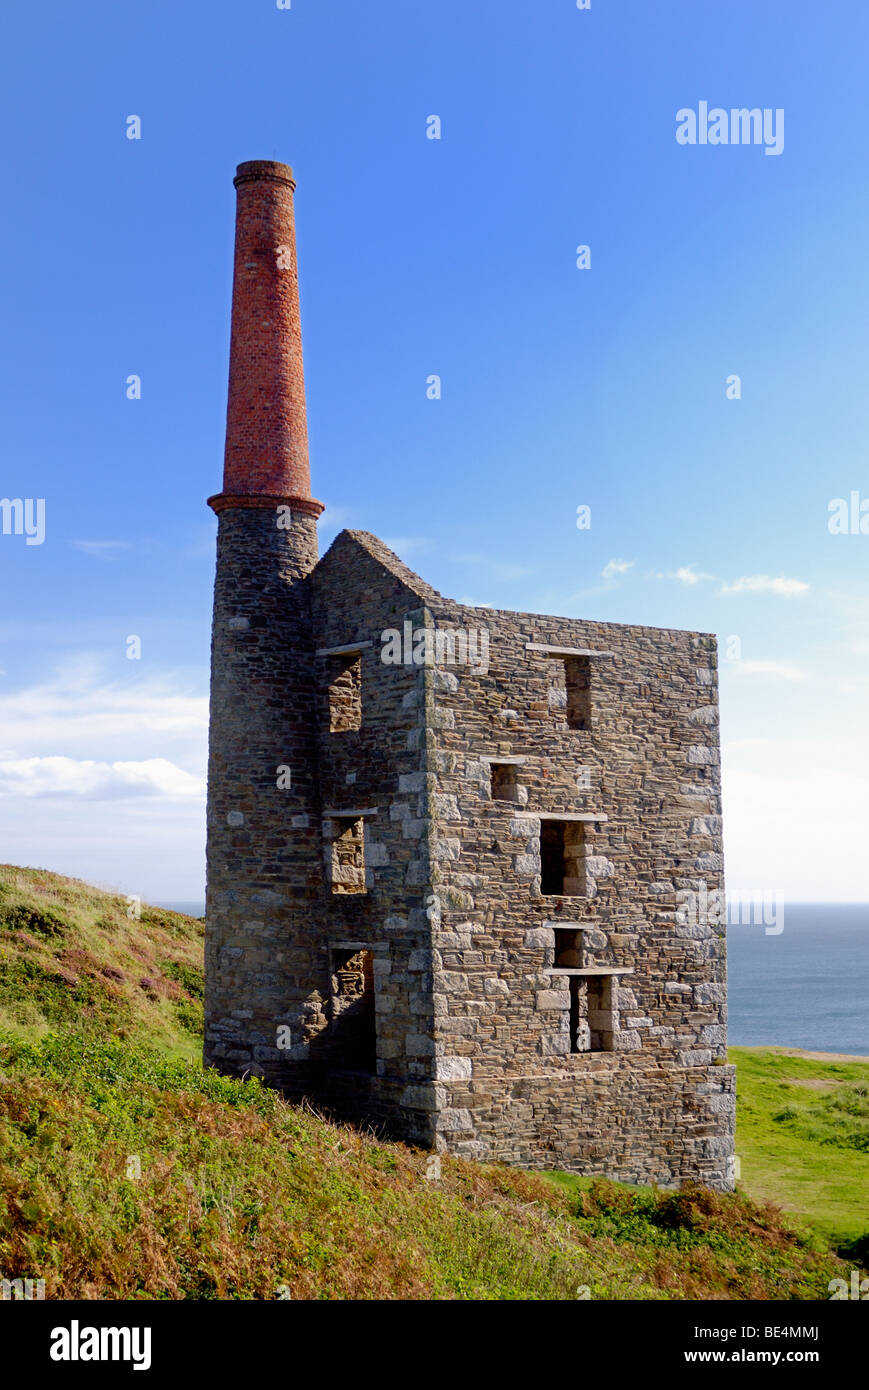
(459, 859)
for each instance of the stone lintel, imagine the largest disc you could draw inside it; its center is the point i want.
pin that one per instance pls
(346, 650)
(358, 945)
(590, 970)
(546, 650)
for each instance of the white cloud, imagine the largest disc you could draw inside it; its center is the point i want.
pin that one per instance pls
(102, 775)
(78, 712)
(685, 574)
(616, 567)
(779, 670)
(854, 685)
(101, 549)
(795, 816)
(96, 781)
(766, 584)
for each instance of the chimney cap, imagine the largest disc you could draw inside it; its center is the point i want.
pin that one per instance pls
(255, 170)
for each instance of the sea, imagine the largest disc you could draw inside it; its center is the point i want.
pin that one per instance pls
(806, 985)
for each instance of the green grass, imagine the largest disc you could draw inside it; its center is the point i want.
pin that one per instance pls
(802, 1136)
(128, 1174)
(129, 1171)
(72, 956)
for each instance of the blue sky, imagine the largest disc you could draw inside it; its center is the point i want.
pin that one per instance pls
(457, 256)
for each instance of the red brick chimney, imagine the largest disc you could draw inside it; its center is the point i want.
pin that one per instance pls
(266, 459)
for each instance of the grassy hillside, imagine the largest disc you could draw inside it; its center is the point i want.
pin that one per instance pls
(72, 957)
(126, 1170)
(802, 1135)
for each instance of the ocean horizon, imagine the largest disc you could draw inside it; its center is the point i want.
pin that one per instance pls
(805, 986)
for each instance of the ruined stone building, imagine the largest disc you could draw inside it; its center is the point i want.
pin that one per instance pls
(453, 853)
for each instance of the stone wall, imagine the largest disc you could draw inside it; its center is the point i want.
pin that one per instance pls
(486, 1045)
(263, 852)
(659, 1106)
(374, 772)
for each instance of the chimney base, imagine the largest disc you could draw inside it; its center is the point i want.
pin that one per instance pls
(308, 506)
